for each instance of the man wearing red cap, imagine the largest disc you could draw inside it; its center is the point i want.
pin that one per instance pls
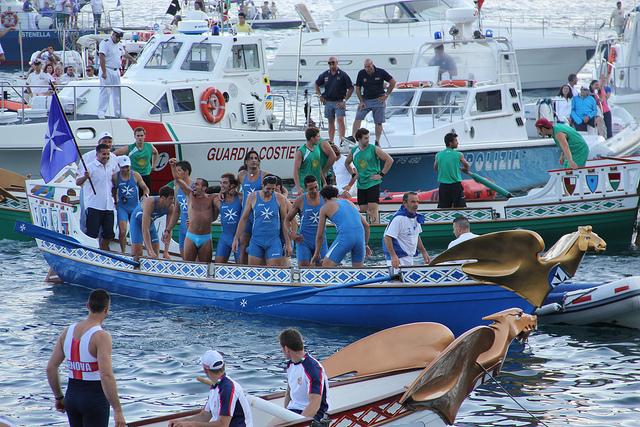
(575, 150)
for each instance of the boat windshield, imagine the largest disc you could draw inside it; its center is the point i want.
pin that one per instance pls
(164, 55)
(398, 101)
(441, 102)
(404, 11)
(201, 57)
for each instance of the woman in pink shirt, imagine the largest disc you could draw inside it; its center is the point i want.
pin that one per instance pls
(598, 91)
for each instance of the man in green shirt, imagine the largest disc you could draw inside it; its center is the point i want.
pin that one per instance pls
(143, 155)
(447, 165)
(313, 158)
(575, 150)
(366, 158)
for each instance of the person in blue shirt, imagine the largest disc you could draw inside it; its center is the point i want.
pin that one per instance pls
(307, 382)
(308, 205)
(338, 88)
(353, 231)
(180, 170)
(584, 110)
(269, 211)
(230, 207)
(143, 229)
(126, 182)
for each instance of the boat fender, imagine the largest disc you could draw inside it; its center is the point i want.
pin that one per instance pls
(273, 409)
(9, 19)
(212, 105)
(456, 83)
(548, 309)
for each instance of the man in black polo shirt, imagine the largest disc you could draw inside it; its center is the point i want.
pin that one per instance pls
(373, 96)
(337, 91)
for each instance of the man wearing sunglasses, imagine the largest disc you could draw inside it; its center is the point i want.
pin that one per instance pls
(338, 88)
(110, 55)
(227, 403)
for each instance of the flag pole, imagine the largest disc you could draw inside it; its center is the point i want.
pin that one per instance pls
(55, 95)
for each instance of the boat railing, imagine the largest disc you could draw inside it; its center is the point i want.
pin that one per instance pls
(20, 90)
(436, 111)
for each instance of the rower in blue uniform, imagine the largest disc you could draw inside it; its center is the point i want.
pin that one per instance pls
(353, 231)
(143, 229)
(127, 183)
(181, 170)
(230, 207)
(251, 181)
(308, 205)
(268, 210)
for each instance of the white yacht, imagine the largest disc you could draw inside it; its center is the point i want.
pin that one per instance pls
(483, 106)
(392, 31)
(202, 98)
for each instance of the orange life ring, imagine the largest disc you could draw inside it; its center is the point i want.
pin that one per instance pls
(9, 19)
(456, 83)
(212, 105)
(611, 59)
(414, 84)
(144, 36)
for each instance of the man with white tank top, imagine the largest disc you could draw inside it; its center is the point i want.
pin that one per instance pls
(92, 385)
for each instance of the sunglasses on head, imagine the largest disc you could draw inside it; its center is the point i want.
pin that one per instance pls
(270, 179)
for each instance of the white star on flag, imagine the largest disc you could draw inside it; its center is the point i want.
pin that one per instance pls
(50, 138)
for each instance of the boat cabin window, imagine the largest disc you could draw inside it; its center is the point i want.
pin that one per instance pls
(164, 55)
(244, 57)
(441, 102)
(183, 100)
(489, 101)
(163, 104)
(398, 102)
(404, 11)
(201, 57)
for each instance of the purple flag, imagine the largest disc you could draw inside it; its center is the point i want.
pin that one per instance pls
(59, 148)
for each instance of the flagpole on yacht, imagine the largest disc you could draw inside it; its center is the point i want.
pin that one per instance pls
(295, 116)
(55, 96)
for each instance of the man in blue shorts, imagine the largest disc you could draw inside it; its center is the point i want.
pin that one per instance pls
(126, 182)
(353, 231)
(143, 229)
(308, 205)
(227, 404)
(372, 95)
(338, 88)
(307, 382)
(269, 211)
(230, 207)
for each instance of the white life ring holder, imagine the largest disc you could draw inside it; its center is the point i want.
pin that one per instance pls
(9, 19)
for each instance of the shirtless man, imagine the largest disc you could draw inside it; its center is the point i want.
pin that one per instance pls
(202, 212)
(269, 211)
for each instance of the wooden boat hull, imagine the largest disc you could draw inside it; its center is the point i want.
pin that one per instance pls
(438, 294)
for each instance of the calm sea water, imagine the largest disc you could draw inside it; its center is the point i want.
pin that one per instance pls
(573, 376)
(565, 375)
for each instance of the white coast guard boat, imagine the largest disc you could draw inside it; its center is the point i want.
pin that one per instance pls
(391, 32)
(200, 97)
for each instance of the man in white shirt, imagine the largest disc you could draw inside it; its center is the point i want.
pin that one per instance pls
(401, 240)
(462, 231)
(69, 75)
(100, 205)
(96, 9)
(38, 81)
(111, 52)
(618, 18)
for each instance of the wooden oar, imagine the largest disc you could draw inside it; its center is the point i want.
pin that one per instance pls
(8, 195)
(491, 185)
(60, 239)
(278, 297)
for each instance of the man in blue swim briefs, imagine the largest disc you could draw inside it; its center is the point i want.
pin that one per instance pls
(353, 231)
(143, 230)
(269, 211)
(308, 205)
(229, 205)
(126, 182)
(202, 212)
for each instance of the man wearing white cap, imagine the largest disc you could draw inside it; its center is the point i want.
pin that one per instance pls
(111, 52)
(127, 182)
(227, 404)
